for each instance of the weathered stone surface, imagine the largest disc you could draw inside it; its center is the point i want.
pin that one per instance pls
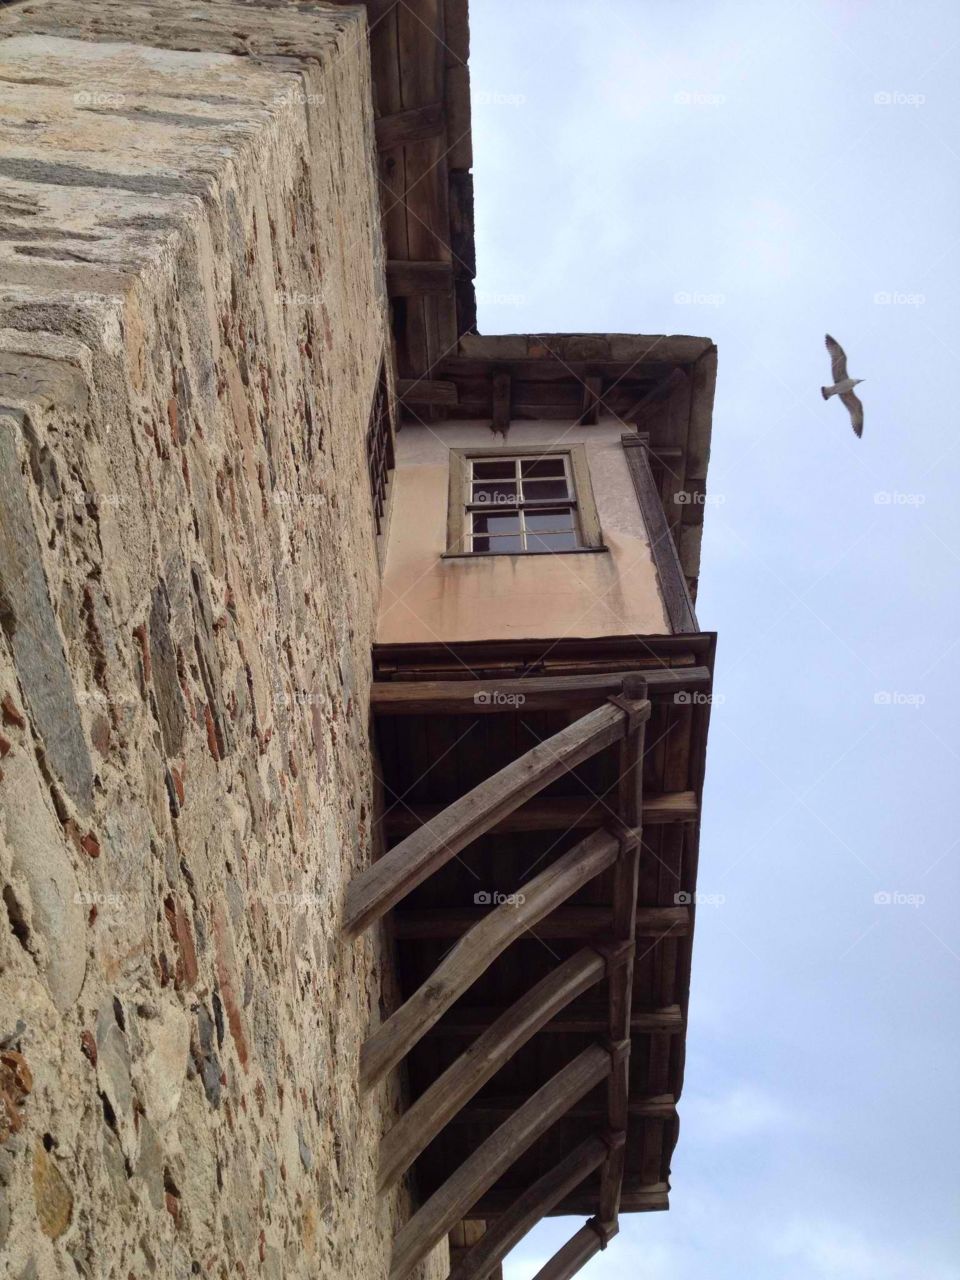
(176, 180)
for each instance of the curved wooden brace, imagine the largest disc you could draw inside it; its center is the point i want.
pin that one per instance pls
(477, 950)
(528, 1209)
(372, 893)
(576, 1253)
(484, 1058)
(451, 1202)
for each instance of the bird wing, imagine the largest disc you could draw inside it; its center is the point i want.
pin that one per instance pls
(838, 359)
(855, 409)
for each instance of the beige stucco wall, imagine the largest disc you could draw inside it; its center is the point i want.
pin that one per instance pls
(427, 598)
(191, 319)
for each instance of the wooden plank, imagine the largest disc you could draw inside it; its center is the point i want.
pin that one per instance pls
(590, 399)
(585, 923)
(487, 1111)
(381, 886)
(479, 947)
(500, 397)
(451, 1202)
(526, 693)
(473, 1020)
(426, 391)
(499, 1042)
(673, 583)
(637, 1197)
(626, 880)
(576, 1253)
(557, 813)
(411, 279)
(413, 125)
(528, 1209)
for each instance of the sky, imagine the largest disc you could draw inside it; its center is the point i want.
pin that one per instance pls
(763, 173)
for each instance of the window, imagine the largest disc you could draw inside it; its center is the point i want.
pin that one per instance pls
(528, 501)
(380, 458)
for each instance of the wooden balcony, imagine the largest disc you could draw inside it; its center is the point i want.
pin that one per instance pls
(539, 841)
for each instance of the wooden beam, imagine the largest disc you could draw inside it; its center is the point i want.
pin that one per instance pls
(576, 1253)
(375, 890)
(626, 884)
(556, 813)
(538, 693)
(426, 391)
(590, 1019)
(414, 125)
(500, 396)
(496, 1046)
(478, 948)
(637, 1197)
(487, 1111)
(590, 404)
(411, 279)
(451, 1202)
(480, 1261)
(673, 382)
(673, 582)
(585, 923)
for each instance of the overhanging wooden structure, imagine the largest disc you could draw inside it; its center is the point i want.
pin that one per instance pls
(539, 853)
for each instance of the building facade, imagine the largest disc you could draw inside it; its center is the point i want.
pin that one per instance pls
(353, 701)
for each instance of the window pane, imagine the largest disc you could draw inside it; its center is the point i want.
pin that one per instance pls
(542, 467)
(493, 492)
(496, 522)
(557, 519)
(504, 545)
(541, 490)
(551, 542)
(502, 469)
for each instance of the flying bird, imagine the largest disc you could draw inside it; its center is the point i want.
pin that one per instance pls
(843, 385)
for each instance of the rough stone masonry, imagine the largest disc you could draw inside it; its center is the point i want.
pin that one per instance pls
(191, 322)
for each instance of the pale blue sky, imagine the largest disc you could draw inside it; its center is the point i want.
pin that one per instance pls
(787, 166)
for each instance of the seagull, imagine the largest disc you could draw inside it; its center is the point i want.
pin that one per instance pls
(843, 385)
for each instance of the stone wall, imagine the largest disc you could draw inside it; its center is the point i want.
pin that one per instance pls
(191, 321)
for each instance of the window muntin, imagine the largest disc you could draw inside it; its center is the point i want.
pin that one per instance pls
(524, 503)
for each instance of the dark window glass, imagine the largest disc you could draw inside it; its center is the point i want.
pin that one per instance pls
(559, 520)
(541, 467)
(502, 470)
(496, 522)
(495, 492)
(551, 542)
(544, 490)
